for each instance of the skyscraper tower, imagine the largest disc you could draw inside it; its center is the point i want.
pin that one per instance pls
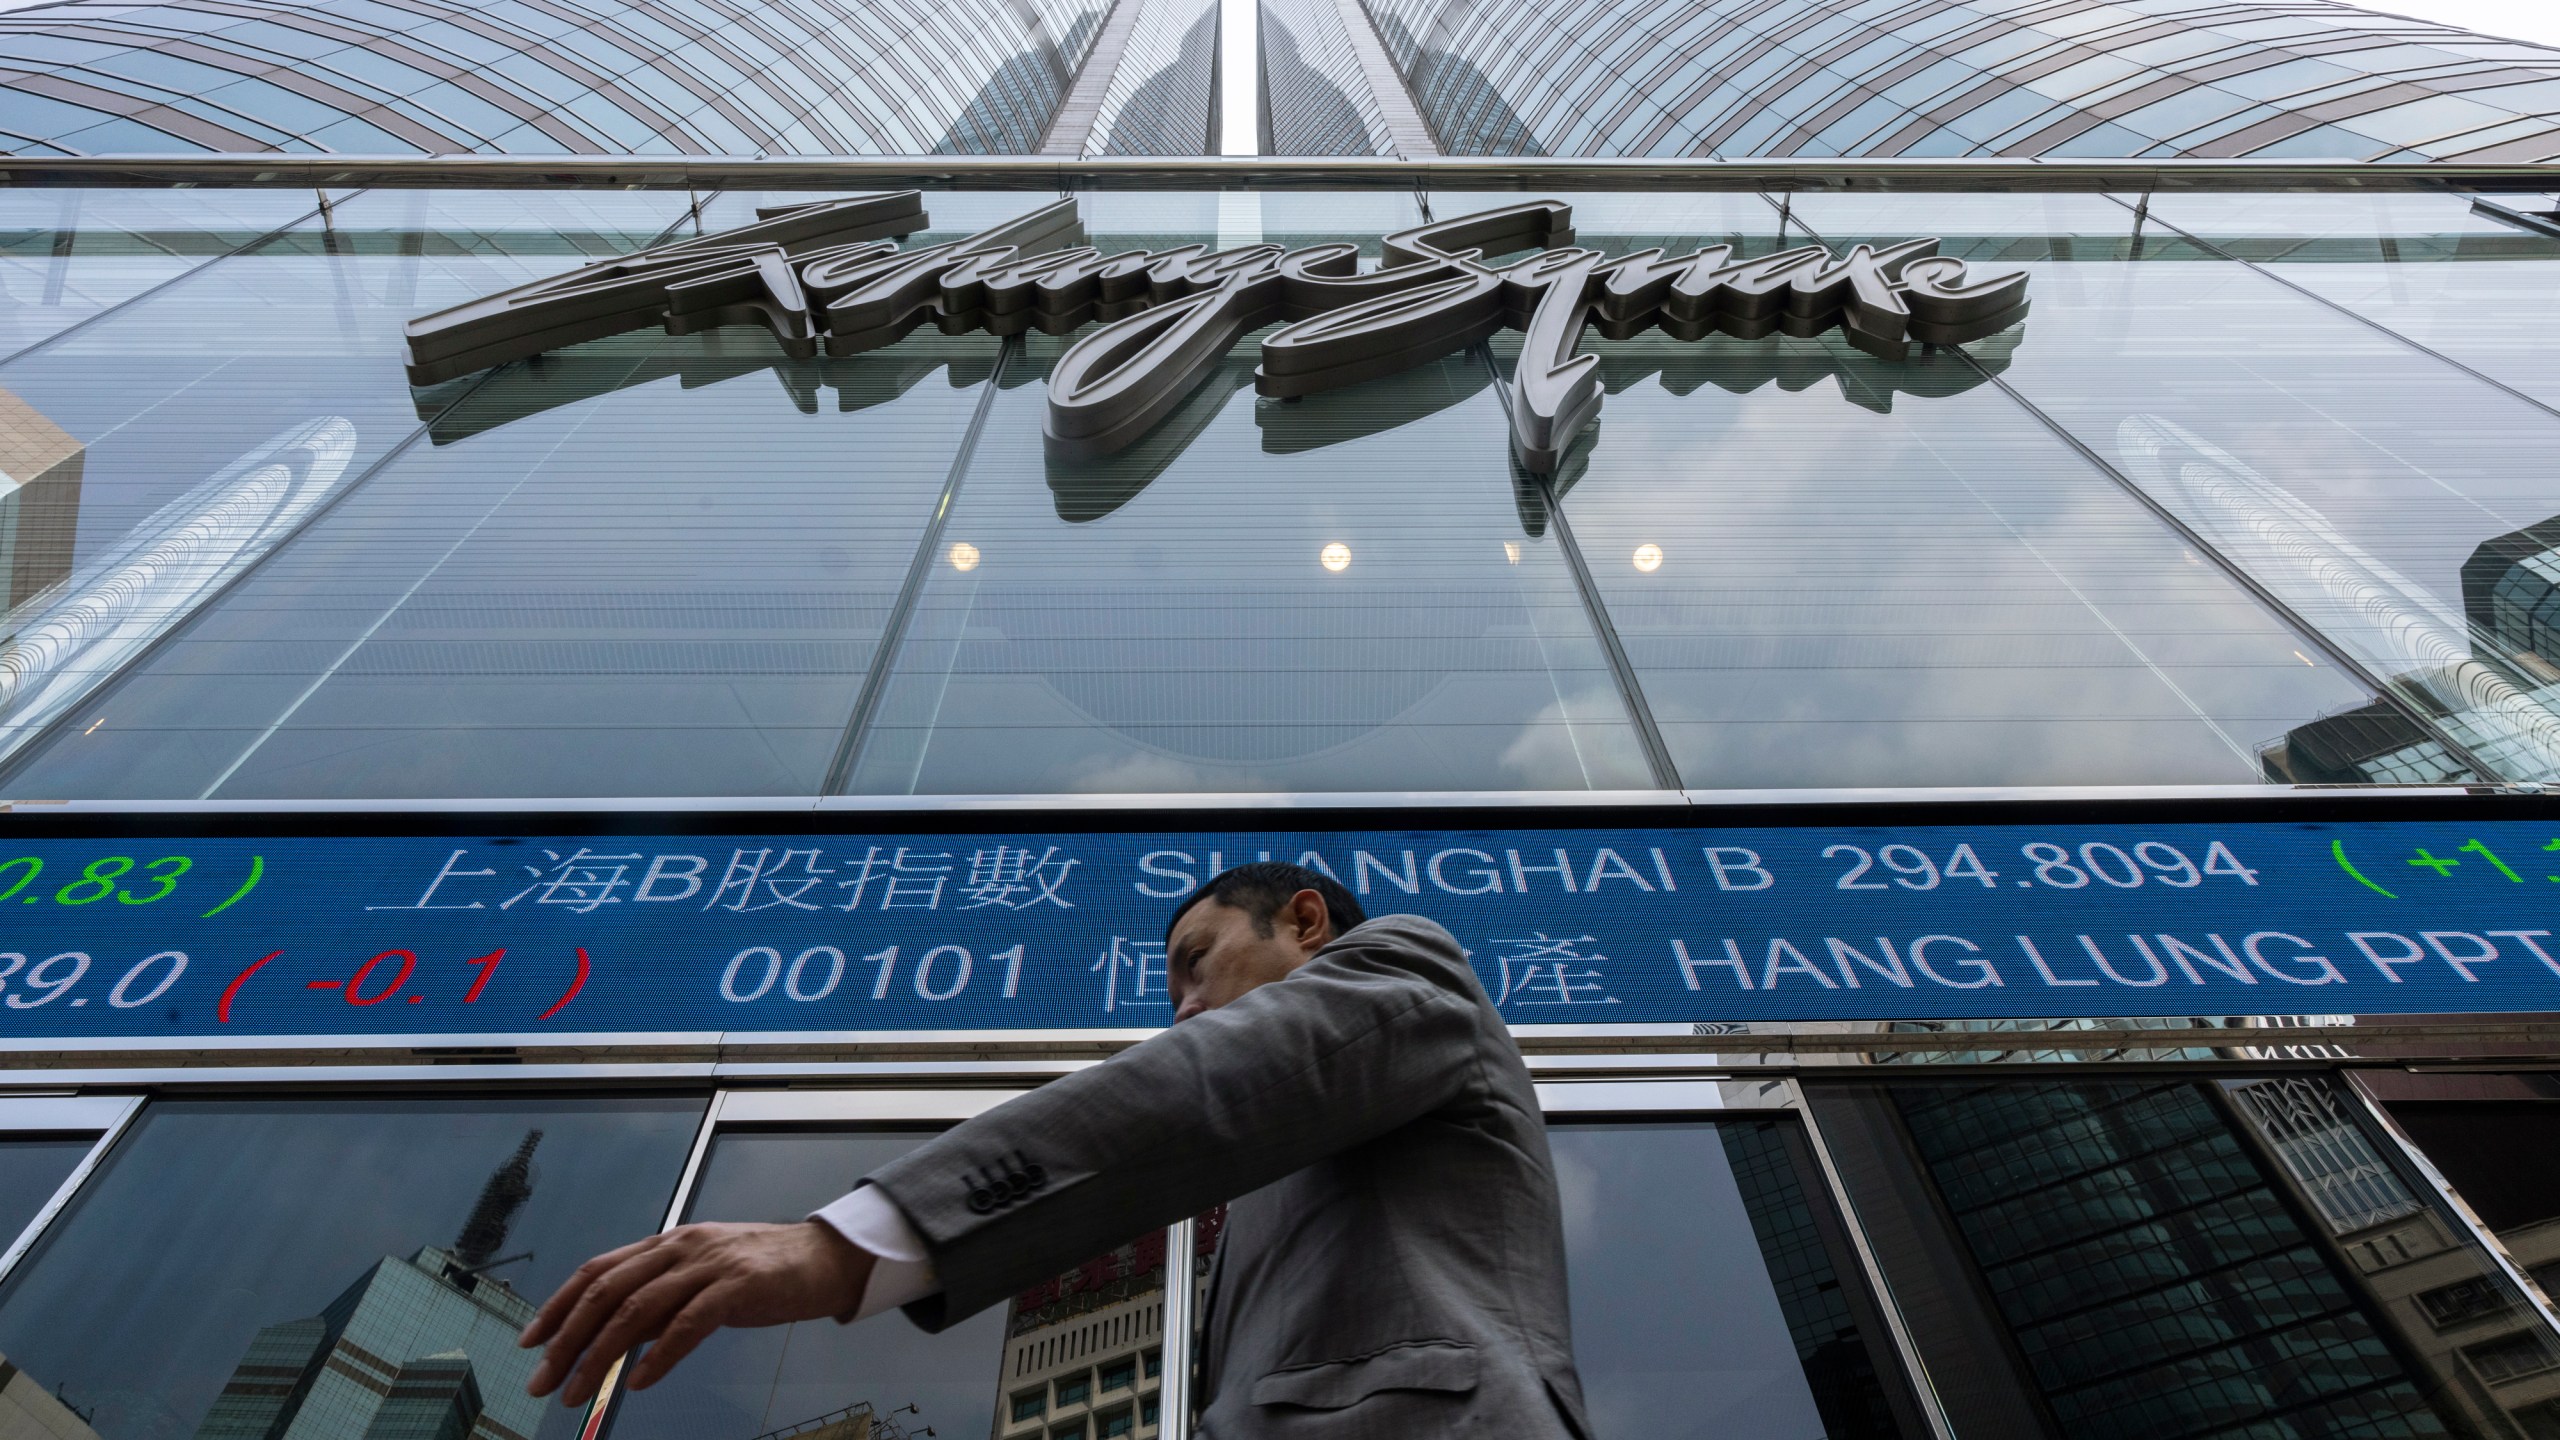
(2198, 79)
(510, 1185)
(422, 1348)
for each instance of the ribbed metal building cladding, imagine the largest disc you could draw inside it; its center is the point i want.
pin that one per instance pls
(1320, 102)
(1966, 78)
(638, 77)
(1159, 98)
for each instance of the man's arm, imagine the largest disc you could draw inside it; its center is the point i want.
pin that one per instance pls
(1378, 1029)
(673, 1289)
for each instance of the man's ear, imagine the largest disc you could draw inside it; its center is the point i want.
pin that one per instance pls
(1308, 920)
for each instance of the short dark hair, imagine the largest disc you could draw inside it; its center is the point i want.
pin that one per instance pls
(1259, 890)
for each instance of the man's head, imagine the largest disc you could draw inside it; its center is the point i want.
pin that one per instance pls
(1248, 927)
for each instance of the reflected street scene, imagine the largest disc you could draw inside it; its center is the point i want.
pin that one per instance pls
(344, 1270)
(1084, 1351)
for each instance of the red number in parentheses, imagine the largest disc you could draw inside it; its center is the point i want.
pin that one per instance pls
(584, 969)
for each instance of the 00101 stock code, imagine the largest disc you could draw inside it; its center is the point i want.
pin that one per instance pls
(2098, 862)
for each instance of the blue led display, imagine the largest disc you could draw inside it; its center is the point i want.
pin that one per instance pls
(533, 935)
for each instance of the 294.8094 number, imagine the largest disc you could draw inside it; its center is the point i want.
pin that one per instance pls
(2055, 867)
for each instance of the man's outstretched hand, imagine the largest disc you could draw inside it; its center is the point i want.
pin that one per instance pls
(674, 1289)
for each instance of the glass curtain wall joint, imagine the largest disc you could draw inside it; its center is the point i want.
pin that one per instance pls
(821, 273)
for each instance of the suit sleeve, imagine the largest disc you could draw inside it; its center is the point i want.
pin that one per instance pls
(1380, 1028)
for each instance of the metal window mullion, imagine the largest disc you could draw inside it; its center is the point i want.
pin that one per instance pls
(893, 632)
(60, 1200)
(1657, 753)
(1181, 1332)
(2326, 303)
(1897, 1326)
(600, 1408)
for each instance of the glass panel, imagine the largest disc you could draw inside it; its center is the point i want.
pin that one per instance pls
(951, 214)
(2356, 229)
(2496, 1139)
(192, 431)
(66, 255)
(1987, 228)
(2385, 497)
(744, 1383)
(2175, 1259)
(1706, 1300)
(2492, 314)
(560, 597)
(1898, 578)
(1620, 223)
(991, 1374)
(344, 1268)
(1341, 593)
(32, 1167)
(1084, 1352)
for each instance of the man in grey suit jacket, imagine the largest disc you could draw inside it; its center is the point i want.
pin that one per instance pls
(1393, 1259)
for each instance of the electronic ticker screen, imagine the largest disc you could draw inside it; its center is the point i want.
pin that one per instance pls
(1013, 927)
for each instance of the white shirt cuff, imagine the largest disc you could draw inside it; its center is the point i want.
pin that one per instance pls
(903, 1271)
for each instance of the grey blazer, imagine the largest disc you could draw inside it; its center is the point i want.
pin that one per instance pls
(1393, 1260)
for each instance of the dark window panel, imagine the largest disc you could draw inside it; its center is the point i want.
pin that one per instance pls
(32, 1167)
(323, 1237)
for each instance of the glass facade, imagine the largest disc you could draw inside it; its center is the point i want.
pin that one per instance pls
(1318, 96)
(1915, 78)
(336, 1263)
(2251, 497)
(1926, 78)
(648, 77)
(1710, 1293)
(2044, 1257)
(1157, 98)
(2244, 498)
(2161, 1257)
(32, 1168)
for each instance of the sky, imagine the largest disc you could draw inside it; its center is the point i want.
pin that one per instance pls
(2537, 20)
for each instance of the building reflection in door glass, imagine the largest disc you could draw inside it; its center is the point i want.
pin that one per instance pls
(882, 1379)
(32, 1167)
(335, 1271)
(1706, 1299)
(2487, 1360)
(2496, 1139)
(1086, 1344)
(1084, 1350)
(2179, 1259)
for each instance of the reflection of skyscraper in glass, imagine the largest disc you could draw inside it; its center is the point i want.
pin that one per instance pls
(2511, 602)
(1084, 1351)
(422, 1348)
(28, 1411)
(2152, 1278)
(2511, 596)
(2400, 627)
(39, 500)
